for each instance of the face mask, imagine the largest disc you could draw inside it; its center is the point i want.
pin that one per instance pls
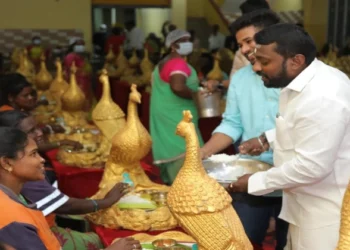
(185, 48)
(37, 42)
(79, 48)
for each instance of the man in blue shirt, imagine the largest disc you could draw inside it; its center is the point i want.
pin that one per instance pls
(251, 109)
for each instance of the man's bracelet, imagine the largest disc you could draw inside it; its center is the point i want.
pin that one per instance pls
(261, 143)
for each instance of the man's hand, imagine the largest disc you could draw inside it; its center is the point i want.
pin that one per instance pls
(58, 128)
(240, 186)
(253, 147)
(211, 85)
(125, 244)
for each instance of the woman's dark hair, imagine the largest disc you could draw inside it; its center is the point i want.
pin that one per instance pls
(11, 85)
(259, 19)
(12, 118)
(12, 141)
(290, 40)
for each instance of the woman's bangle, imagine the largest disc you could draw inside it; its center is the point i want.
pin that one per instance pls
(96, 208)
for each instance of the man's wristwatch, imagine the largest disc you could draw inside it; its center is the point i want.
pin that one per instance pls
(263, 141)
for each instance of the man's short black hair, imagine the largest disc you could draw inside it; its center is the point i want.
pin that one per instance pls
(259, 19)
(290, 40)
(252, 5)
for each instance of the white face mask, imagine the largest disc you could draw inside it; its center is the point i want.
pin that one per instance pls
(185, 48)
(36, 41)
(79, 48)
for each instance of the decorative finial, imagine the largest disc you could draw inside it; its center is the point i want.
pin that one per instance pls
(73, 68)
(133, 87)
(187, 116)
(42, 57)
(104, 72)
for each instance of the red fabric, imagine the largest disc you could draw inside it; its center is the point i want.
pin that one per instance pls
(175, 64)
(116, 42)
(145, 106)
(207, 126)
(120, 93)
(83, 182)
(75, 182)
(108, 235)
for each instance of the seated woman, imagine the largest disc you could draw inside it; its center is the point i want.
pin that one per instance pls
(49, 199)
(16, 93)
(22, 225)
(173, 83)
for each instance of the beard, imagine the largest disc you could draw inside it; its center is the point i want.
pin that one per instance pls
(281, 79)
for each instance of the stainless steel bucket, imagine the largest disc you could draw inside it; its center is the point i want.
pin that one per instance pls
(208, 105)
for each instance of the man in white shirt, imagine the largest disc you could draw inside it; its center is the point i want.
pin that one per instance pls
(312, 144)
(135, 37)
(216, 39)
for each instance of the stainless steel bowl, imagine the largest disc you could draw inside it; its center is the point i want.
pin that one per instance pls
(164, 244)
(226, 173)
(159, 198)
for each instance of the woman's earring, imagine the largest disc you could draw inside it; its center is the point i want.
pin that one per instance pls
(9, 169)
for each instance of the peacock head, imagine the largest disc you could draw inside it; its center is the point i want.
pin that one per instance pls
(184, 126)
(134, 96)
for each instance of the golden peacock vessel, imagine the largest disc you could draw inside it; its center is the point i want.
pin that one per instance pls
(26, 67)
(218, 75)
(109, 119)
(73, 118)
(129, 145)
(59, 85)
(201, 205)
(42, 83)
(140, 72)
(344, 237)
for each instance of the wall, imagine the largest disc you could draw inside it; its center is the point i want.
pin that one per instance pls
(47, 14)
(316, 20)
(132, 2)
(286, 5)
(205, 9)
(195, 8)
(179, 13)
(152, 19)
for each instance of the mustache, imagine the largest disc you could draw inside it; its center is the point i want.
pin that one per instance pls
(260, 73)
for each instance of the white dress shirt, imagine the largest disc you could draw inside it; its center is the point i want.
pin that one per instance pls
(311, 149)
(135, 39)
(216, 41)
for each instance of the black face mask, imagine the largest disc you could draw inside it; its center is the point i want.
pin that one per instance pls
(281, 80)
